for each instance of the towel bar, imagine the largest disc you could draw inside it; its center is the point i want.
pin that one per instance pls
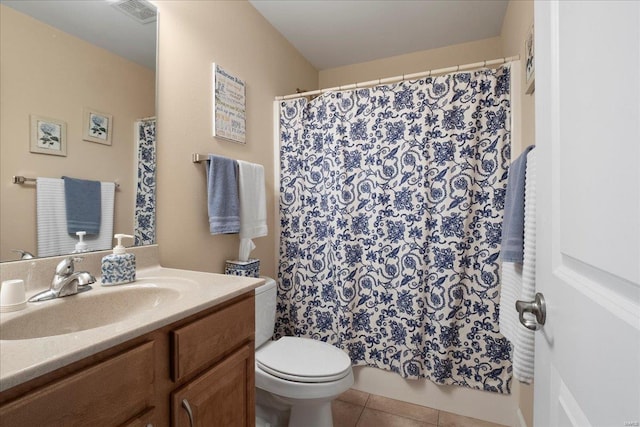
(19, 179)
(199, 158)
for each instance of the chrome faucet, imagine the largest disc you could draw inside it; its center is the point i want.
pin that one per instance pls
(66, 281)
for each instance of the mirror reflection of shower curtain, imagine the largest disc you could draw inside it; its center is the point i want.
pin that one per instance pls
(391, 208)
(145, 203)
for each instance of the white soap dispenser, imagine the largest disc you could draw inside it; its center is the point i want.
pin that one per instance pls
(81, 246)
(120, 266)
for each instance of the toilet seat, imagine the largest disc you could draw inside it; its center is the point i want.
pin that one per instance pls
(303, 360)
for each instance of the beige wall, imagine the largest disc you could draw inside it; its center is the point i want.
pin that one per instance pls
(416, 62)
(193, 34)
(50, 73)
(516, 23)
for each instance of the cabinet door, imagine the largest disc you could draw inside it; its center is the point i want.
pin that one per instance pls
(222, 396)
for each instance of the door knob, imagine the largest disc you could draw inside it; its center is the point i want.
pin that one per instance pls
(536, 307)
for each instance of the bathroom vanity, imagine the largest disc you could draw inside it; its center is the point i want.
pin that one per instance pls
(186, 360)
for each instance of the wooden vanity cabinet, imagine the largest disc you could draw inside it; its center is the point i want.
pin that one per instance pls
(206, 360)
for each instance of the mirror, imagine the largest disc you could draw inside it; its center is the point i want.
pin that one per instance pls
(61, 61)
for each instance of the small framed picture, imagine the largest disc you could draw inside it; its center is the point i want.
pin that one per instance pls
(530, 65)
(229, 106)
(48, 136)
(97, 126)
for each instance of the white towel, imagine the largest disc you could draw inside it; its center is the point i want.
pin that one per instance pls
(253, 206)
(518, 283)
(53, 238)
(523, 354)
(509, 294)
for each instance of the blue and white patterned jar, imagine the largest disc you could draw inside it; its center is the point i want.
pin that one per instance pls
(118, 269)
(250, 268)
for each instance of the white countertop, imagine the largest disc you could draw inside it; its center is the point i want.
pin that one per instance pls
(25, 359)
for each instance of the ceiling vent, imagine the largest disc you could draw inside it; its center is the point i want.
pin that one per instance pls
(140, 10)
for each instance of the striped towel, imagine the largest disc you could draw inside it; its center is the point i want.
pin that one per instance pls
(509, 294)
(518, 283)
(525, 339)
(53, 238)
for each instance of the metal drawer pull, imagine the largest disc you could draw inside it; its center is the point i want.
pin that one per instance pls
(185, 405)
(537, 308)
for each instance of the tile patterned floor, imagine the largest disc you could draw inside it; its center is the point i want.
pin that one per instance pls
(359, 409)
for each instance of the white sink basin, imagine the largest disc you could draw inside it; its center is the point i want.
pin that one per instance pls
(95, 308)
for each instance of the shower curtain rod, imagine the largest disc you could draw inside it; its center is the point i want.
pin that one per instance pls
(402, 77)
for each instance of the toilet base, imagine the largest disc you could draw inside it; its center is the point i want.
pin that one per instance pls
(271, 411)
(314, 414)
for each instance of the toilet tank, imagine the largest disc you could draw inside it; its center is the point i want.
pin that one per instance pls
(265, 311)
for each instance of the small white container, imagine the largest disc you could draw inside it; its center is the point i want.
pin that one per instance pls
(12, 296)
(81, 246)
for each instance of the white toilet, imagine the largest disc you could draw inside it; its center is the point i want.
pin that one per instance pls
(296, 378)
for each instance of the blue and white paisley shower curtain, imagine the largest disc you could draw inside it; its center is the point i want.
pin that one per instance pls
(145, 214)
(391, 208)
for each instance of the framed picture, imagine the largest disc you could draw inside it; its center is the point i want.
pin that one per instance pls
(97, 126)
(228, 106)
(530, 65)
(48, 136)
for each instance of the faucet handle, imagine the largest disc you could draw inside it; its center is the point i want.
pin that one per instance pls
(66, 267)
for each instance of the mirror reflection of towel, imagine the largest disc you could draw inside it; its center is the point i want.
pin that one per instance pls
(53, 238)
(84, 205)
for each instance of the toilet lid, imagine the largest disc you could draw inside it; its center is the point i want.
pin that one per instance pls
(303, 360)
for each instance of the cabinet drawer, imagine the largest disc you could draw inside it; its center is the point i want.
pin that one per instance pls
(93, 396)
(197, 344)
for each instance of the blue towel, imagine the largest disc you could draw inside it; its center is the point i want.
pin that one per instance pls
(222, 194)
(83, 200)
(513, 225)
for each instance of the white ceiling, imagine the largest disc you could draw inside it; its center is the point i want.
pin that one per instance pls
(333, 33)
(329, 33)
(98, 23)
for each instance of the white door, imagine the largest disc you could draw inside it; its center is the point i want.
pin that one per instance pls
(587, 367)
